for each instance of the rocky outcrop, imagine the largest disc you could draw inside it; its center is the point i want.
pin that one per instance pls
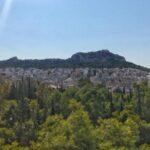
(65, 77)
(103, 56)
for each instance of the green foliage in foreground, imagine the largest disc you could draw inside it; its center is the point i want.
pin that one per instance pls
(89, 117)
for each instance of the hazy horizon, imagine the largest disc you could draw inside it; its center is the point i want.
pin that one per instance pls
(57, 29)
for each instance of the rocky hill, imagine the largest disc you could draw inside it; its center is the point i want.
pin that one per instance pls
(98, 59)
(103, 56)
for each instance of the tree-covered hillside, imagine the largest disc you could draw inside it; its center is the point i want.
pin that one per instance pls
(98, 59)
(34, 116)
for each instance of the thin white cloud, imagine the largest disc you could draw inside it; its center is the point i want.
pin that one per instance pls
(5, 13)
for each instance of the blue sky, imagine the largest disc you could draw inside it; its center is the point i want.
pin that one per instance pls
(59, 28)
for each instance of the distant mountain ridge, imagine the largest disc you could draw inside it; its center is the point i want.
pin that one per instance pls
(98, 59)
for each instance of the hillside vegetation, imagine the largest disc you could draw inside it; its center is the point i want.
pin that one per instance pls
(98, 59)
